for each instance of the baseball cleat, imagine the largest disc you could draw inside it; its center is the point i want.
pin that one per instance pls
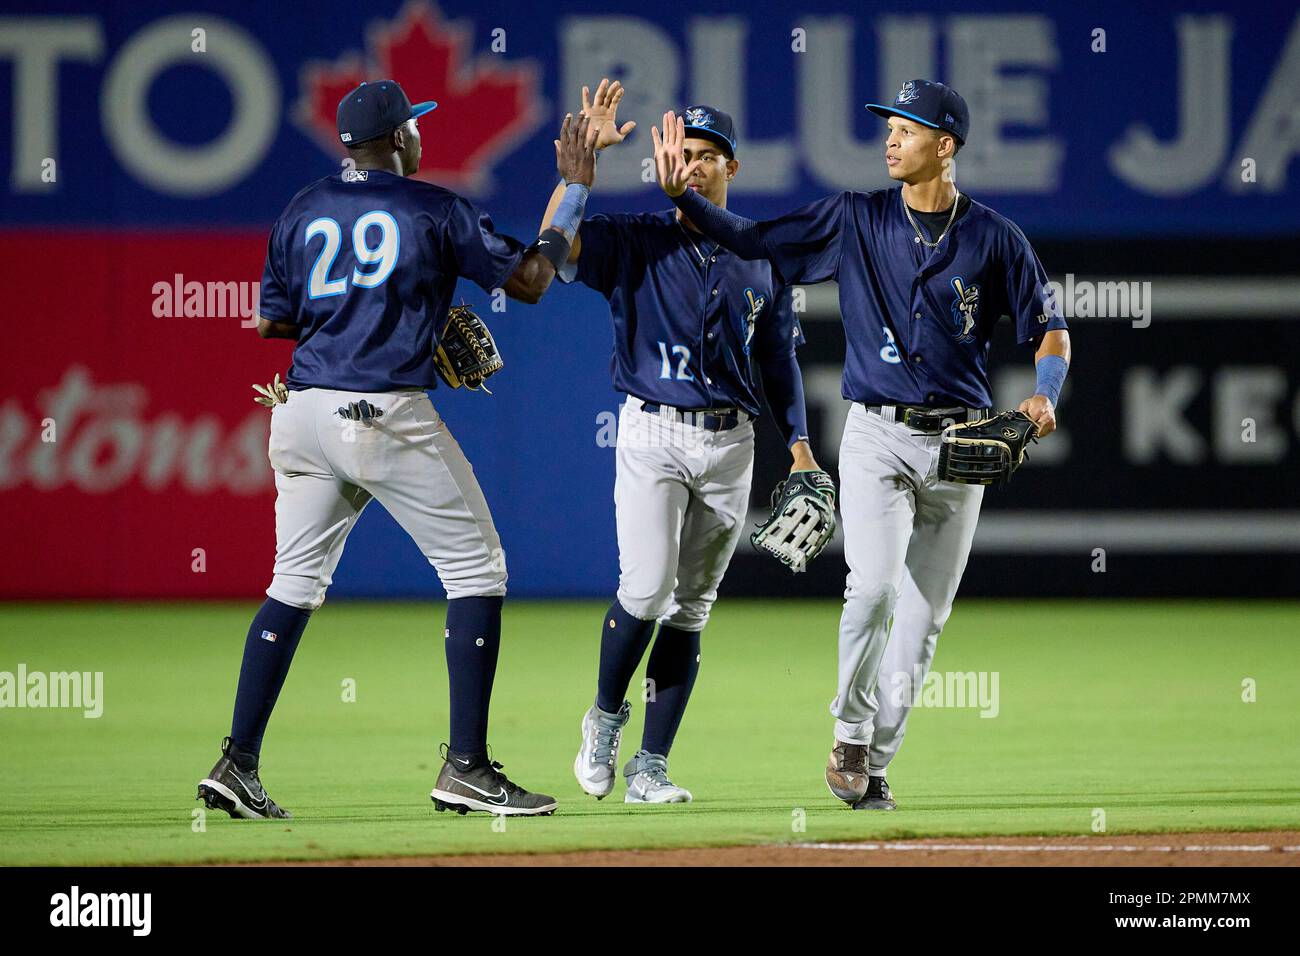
(238, 792)
(598, 755)
(878, 796)
(846, 771)
(647, 781)
(475, 782)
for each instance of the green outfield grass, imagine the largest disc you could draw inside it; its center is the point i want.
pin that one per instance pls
(1133, 708)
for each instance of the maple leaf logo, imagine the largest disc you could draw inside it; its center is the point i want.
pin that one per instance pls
(486, 107)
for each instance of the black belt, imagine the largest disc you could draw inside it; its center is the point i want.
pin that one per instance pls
(929, 420)
(710, 419)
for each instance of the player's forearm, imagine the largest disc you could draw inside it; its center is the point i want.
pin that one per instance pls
(783, 385)
(564, 214)
(531, 278)
(742, 236)
(1051, 363)
(557, 194)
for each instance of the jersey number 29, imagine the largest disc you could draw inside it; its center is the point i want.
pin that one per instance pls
(382, 256)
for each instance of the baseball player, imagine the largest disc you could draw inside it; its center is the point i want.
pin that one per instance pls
(691, 322)
(924, 274)
(360, 270)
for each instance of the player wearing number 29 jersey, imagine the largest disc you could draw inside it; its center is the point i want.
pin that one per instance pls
(365, 263)
(360, 271)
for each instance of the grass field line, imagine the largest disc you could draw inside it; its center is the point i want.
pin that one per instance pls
(1047, 848)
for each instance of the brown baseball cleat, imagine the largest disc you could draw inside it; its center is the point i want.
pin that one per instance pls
(846, 771)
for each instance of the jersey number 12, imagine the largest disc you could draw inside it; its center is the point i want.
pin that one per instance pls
(382, 256)
(666, 370)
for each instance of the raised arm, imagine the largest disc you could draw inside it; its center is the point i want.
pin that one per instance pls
(602, 111)
(736, 233)
(575, 159)
(803, 246)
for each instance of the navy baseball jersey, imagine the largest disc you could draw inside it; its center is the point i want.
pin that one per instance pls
(685, 330)
(917, 321)
(365, 263)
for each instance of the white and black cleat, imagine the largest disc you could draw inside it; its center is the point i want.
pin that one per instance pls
(474, 782)
(238, 792)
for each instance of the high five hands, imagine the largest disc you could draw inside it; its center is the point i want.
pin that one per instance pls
(602, 111)
(673, 171)
(575, 151)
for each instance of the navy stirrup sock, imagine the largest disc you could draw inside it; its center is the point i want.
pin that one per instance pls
(268, 652)
(473, 643)
(623, 640)
(674, 664)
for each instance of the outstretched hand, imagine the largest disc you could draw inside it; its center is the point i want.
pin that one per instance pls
(575, 151)
(602, 110)
(673, 171)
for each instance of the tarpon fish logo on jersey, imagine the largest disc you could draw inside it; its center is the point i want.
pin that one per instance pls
(487, 105)
(699, 117)
(965, 309)
(907, 94)
(756, 303)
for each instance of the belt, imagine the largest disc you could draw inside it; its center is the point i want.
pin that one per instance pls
(710, 419)
(929, 420)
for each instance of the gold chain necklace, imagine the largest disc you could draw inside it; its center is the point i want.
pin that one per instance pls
(917, 229)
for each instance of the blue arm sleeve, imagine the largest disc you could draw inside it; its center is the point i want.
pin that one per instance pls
(1051, 376)
(803, 245)
(736, 233)
(782, 379)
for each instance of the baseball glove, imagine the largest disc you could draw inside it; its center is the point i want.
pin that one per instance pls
(467, 354)
(802, 521)
(988, 451)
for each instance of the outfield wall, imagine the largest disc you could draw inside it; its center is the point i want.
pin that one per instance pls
(148, 153)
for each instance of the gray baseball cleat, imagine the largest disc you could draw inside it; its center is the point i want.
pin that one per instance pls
(598, 755)
(846, 771)
(647, 781)
(878, 796)
(236, 790)
(475, 782)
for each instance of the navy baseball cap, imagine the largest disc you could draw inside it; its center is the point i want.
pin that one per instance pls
(711, 124)
(373, 109)
(930, 104)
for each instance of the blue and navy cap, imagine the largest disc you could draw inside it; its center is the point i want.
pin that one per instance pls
(374, 109)
(711, 124)
(930, 104)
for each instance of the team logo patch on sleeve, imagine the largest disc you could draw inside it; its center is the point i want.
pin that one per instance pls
(965, 309)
